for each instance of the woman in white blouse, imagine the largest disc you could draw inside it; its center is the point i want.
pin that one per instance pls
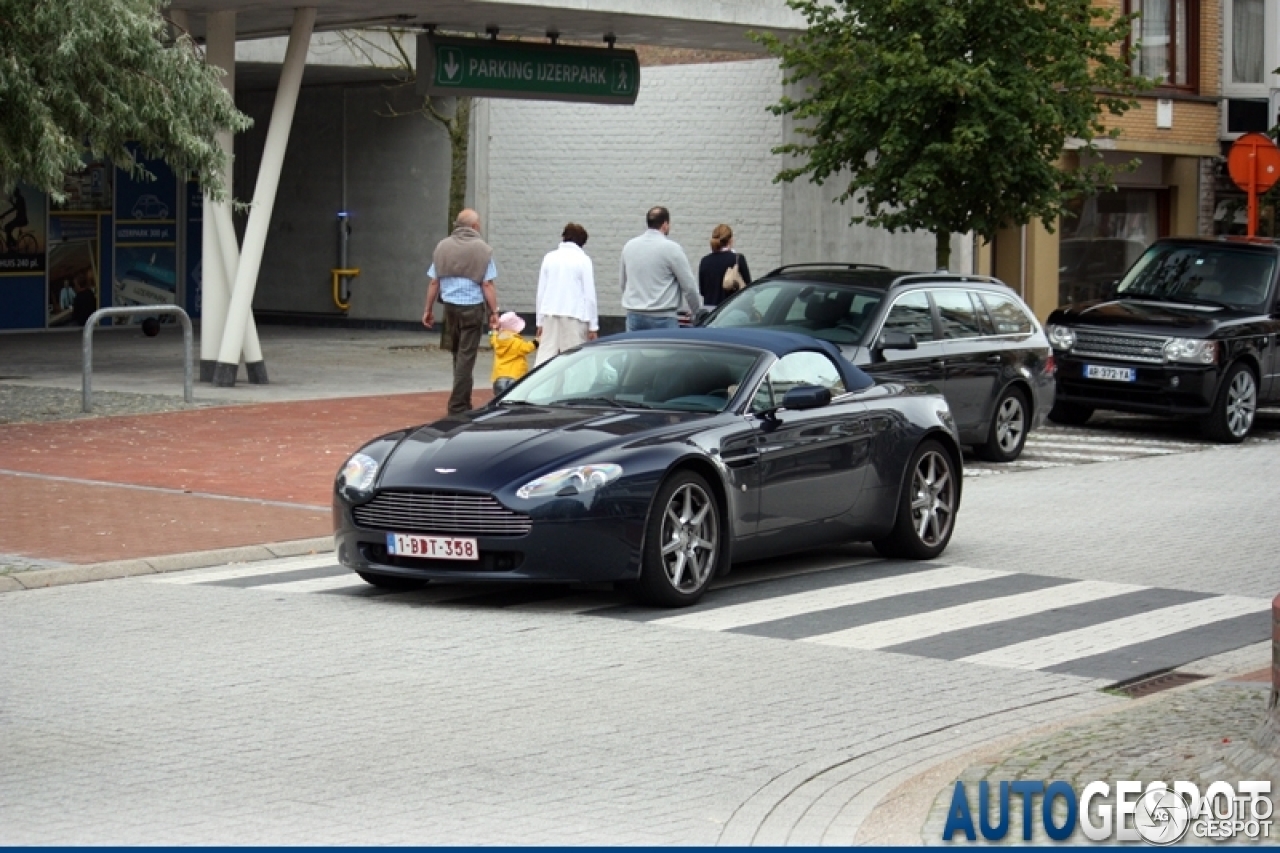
(566, 305)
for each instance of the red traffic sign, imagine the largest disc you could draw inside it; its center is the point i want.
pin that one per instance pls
(1254, 163)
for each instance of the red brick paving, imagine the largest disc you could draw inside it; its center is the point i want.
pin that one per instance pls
(75, 523)
(286, 452)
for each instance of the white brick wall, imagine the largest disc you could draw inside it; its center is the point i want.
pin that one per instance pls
(697, 140)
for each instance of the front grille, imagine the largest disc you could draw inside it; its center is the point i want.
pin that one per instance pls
(441, 512)
(1141, 348)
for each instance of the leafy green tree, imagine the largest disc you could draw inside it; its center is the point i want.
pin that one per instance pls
(91, 76)
(951, 116)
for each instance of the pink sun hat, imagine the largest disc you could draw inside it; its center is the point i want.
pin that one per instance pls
(511, 322)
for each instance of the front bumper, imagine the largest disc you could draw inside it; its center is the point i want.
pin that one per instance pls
(1159, 389)
(568, 541)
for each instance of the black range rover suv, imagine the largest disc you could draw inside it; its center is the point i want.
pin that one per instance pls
(1191, 330)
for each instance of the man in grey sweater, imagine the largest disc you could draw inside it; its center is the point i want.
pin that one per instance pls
(655, 272)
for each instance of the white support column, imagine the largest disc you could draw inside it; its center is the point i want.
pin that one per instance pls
(240, 309)
(227, 258)
(215, 289)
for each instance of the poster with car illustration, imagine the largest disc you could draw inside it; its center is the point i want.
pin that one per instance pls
(146, 253)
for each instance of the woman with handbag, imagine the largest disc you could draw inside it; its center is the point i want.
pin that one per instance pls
(723, 272)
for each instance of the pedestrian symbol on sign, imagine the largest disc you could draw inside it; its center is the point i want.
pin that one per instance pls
(449, 67)
(622, 78)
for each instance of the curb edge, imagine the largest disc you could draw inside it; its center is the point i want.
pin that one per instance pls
(160, 564)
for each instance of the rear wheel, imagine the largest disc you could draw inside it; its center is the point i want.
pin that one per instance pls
(1233, 410)
(682, 542)
(391, 581)
(926, 507)
(1070, 414)
(1008, 432)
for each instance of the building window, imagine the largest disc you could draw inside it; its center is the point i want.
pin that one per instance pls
(1166, 37)
(1248, 26)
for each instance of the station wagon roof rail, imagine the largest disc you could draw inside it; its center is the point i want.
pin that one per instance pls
(828, 266)
(934, 277)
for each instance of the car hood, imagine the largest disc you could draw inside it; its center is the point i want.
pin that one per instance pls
(494, 447)
(1150, 317)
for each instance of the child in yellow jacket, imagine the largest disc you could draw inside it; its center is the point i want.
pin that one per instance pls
(510, 351)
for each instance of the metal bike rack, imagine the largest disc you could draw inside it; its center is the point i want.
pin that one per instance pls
(86, 402)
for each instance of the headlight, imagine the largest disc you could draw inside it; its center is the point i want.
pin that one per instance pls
(570, 481)
(1062, 337)
(1191, 350)
(359, 473)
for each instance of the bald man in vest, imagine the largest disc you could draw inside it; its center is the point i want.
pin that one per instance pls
(462, 274)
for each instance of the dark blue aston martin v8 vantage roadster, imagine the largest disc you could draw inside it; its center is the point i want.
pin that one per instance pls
(657, 459)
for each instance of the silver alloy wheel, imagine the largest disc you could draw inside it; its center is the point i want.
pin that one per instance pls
(1011, 423)
(1242, 403)
(933, 498)
(690, 538)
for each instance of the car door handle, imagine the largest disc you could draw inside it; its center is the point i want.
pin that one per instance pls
(994, 359)
(938, 362)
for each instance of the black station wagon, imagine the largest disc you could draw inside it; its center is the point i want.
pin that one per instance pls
(969, 336)
(1192, 329)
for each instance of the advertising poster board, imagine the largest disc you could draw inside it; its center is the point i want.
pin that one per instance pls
(75, 269)
(22, 231)
(146, 249)
(194, 248)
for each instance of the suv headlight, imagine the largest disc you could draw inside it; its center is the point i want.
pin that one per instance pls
(1191, 350)
(1062, 337)
(570, 481)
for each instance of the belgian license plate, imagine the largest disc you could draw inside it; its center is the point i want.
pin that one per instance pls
(1111, 374)
(432, 547)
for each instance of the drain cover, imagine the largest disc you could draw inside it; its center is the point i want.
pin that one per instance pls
(1145, 685)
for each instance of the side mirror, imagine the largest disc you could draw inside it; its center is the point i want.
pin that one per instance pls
(896, 340)
(806, 397)
(701, 316)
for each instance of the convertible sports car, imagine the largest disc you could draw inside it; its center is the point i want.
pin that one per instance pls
(656, 459)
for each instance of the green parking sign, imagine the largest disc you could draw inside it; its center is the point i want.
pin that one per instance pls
(527, 70)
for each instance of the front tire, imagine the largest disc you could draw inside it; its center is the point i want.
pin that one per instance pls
(391, 582)
(926, 507)
(1070, 414)
(682, 542)
(1008, 432)
(1234, 409)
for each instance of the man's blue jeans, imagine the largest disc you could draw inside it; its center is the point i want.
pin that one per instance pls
(643, 322)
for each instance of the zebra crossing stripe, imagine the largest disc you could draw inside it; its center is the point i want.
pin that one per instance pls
(1056, 649)
(265, 568)
(892, 632)
(1093, 439)
(324, 584)
(1092, 457)
(828, 598)
(1136, 450)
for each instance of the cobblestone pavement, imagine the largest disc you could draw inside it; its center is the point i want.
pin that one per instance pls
(1199, 734)
(134, 711)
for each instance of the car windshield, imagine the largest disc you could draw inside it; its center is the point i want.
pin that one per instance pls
(830, 312)
(1209, 275)
(648, 375)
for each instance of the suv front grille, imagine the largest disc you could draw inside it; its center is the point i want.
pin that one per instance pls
(441, 512)
(1141, 348)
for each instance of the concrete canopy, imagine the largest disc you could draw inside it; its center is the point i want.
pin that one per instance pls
(705, 24)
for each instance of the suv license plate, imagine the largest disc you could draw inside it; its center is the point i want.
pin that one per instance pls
(432, 547)
(1111, 374)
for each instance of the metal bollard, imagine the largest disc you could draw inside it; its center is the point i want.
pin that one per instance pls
(86, 392)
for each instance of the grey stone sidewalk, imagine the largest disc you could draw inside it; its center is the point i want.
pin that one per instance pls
(1219, 728)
